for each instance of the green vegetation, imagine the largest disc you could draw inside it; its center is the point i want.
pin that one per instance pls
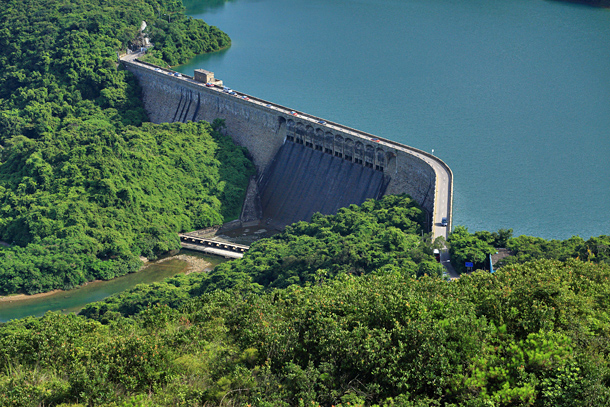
(378, 235)
(85, 186)
(375, 237)
(352, 332)
(116, 196)
(181, 38)
(476, 247)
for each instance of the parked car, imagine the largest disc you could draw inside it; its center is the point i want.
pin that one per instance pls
(321, 122)
(209, 84)
(376, 140)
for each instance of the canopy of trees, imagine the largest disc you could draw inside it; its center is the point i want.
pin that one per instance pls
(301, 322)
(85, 186)
(533, 334)
(476, 248)
(375, 237)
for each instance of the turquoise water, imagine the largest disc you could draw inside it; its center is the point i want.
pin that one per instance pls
(74, 300)
(513, 94)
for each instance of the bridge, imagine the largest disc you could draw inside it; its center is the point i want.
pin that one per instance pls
(321, 148)
(225, 249)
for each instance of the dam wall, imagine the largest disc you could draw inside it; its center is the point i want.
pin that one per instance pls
(325, 151)
(324, 185)
(168, 98)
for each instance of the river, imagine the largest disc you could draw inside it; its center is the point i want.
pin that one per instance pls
(74, 300)
(514, 95)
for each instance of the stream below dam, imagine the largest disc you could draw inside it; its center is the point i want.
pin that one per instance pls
(74, 300)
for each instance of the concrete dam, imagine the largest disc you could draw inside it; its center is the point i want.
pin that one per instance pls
(305, 164)
(301, 181)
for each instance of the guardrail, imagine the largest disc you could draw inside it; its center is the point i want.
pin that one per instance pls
(239, 248)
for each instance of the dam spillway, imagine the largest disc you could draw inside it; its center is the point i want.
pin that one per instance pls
(302, 181)
(267, 131)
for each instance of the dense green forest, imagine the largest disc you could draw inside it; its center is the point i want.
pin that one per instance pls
(85, 187)
(354, 330)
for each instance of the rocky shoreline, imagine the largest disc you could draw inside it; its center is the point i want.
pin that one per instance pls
(195, 264)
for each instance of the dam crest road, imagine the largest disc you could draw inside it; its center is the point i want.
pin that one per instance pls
(306, 146)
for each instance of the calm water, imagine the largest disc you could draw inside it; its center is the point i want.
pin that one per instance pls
(513, 94)
(74, 300)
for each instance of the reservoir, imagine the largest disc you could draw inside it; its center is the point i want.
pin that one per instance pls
(514, 95)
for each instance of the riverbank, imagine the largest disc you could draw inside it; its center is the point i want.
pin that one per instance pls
(66, 301)
(193, 265)
(21, 297)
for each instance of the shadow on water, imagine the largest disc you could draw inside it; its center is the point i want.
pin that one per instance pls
(589, 3)
(203, 6)
(74, 300)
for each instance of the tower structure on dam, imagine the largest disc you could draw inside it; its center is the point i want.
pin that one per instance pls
(305, 164)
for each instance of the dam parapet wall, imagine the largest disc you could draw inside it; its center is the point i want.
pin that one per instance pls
(263, 127)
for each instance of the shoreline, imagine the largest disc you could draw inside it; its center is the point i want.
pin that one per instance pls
(194, 265)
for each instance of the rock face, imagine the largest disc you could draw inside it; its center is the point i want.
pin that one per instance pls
(252, 212)
(304, 164)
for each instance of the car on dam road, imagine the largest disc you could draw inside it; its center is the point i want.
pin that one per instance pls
(444, 222)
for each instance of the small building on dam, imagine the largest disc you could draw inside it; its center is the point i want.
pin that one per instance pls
(305, 164)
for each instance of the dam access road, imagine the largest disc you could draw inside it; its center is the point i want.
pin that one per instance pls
(264, 127)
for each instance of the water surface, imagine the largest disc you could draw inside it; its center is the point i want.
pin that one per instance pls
(513, 94)
(74, 300)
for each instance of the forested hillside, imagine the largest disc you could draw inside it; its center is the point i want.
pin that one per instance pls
(85, 186)
(377, 236)
(476, 247)
(356, 330)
